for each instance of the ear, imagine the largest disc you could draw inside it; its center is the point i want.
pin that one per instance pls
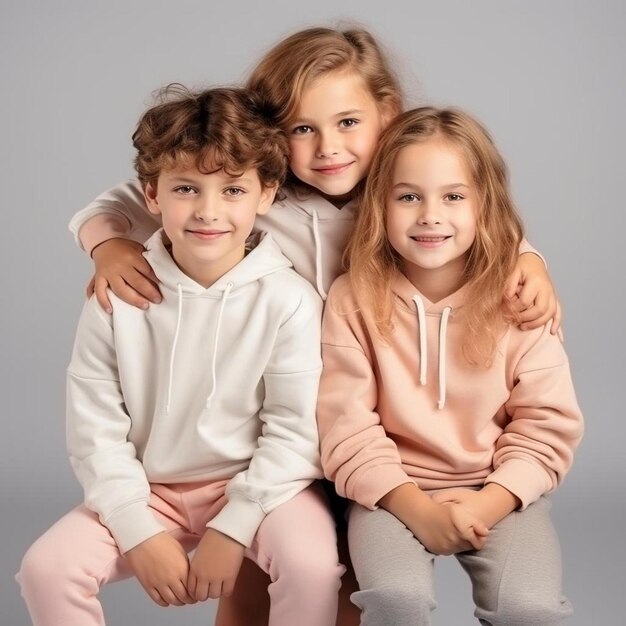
(267, 197)
(150, 194)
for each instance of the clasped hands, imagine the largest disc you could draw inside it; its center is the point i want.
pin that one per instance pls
(163, 569)
(454, 522)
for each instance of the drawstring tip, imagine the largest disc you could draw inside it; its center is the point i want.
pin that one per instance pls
(422, 380)
(441, 404)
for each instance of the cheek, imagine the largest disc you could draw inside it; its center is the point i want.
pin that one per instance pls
(298, 151)
(365, 146)
(396, 228)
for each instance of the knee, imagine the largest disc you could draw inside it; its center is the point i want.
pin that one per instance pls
(528, 609)
(319, 572)
(398, 604)
(306, 570)
(39, 569)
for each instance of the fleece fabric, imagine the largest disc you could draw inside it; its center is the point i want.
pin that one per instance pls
(414, 410)
(211, 384)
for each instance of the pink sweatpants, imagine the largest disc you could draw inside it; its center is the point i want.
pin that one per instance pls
(63, 570)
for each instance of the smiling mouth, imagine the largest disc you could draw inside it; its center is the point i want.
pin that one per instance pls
(330, 170)
(424, 241)
(430, 239)
(207, 234)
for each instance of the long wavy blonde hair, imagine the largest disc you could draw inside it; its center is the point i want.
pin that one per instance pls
(372, 262)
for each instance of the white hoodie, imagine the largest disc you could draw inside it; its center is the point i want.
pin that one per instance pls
(216, 383)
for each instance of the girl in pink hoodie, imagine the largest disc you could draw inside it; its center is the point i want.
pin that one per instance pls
(442, 421)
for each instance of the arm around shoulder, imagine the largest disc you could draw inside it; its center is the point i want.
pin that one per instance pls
(117, 212)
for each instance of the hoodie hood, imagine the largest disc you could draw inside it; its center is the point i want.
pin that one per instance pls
(313, 233)
(412, 301)
(264, 258)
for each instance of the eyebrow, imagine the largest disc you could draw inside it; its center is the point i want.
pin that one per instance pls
(230, 179)
(451, 186)
(350, 112)
(304, 120)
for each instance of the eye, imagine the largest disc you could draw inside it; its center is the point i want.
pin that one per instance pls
(233, 192)
(454, 197)
(349, 122)
(185, 190)
(409, 197)
(301, 130)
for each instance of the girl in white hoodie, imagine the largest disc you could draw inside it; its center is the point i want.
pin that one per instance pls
(332, 92)
(191, 425)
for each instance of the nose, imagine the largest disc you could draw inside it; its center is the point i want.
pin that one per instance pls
(429, 213)
(205, 210)
(327, 145)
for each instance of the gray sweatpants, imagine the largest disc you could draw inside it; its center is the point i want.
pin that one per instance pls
(516, 577)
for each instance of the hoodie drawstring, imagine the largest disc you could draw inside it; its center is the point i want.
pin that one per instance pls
(229, 286)
(443, 327)
(179, 289)
(423, 335)
(421, 319)
(319, 270)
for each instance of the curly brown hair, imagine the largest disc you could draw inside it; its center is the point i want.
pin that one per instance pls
(221, 128)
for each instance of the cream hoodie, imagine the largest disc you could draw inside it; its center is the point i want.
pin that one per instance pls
(413, 410)
(216, 383)
(311, 232)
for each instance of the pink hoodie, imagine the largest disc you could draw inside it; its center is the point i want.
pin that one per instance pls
(414, 410)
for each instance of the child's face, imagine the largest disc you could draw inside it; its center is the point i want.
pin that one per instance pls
(334, 134)
(208, 217)
(431, 212)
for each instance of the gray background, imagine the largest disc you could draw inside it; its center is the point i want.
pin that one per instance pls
(546, 77)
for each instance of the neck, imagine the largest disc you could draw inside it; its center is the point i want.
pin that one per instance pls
(438, 283)
(207, 273)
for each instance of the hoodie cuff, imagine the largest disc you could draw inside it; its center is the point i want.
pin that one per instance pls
(525, 248)
(239, 519)
(132, 526)
(101, 228)
(523, 479)
(377, 482)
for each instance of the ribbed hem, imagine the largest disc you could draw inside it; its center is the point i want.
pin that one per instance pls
(525, 247)
(376, 482)
(101, 228)
(524, 479)
(133, 525)
(239, 519)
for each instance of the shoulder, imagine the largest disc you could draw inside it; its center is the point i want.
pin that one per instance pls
(290, 292)
(341, 297)
(534, 349)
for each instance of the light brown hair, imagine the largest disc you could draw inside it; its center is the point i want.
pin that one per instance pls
(373, 262)
(295, 62)
(222, 128)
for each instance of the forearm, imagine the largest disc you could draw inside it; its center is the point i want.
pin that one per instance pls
(118, 212)
(408, 503)
(495, 503)
(526, 249)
